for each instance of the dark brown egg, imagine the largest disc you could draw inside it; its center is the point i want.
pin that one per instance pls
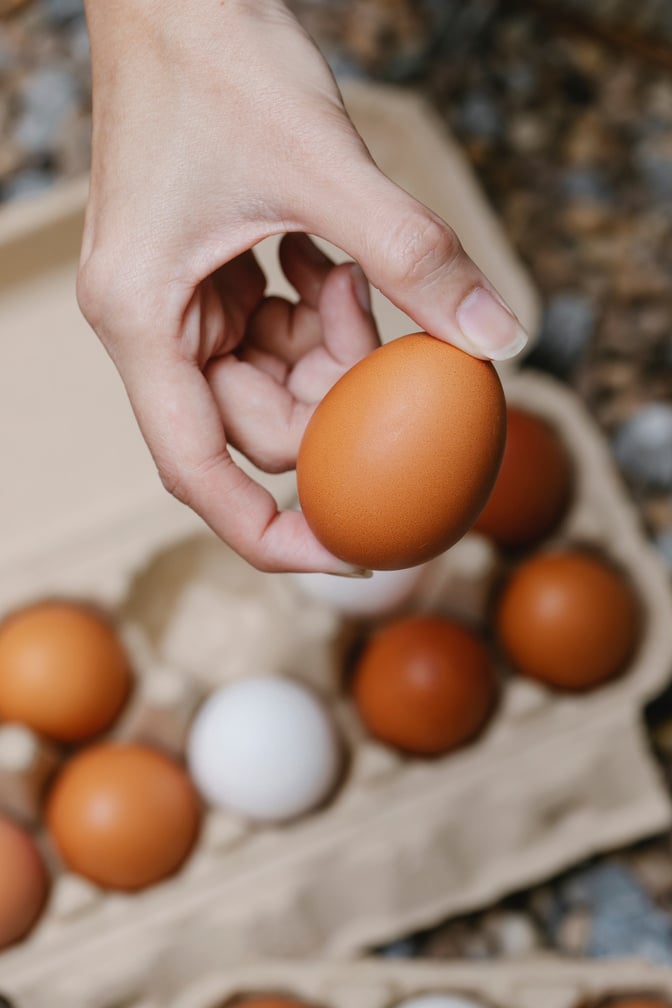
(534, 486)
(268, 1001)
(23, 883)
(424, 685)
(124, 816)
(401, 455)
(568, 619)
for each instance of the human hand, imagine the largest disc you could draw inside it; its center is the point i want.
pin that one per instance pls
(215, 126)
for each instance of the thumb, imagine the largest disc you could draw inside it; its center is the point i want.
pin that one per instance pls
(417, 261)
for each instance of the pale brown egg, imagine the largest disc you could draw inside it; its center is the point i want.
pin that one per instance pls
(125, 816)
(534, 486)
(63, 671)
(568, 619)
(424, 684)
(24, 883)
(402, 453)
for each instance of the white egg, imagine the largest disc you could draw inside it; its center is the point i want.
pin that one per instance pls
(382, 593)
(264, 747)
(440, 1001)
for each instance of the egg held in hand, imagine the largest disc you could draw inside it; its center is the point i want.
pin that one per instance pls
(424, 684)
(400, 456)
(23, 883)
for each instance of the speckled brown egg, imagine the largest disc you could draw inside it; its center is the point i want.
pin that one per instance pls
(424, 684)
(568, 619)
(63, 671)
(534, 485)
(123, 815)
(24, 883)
(402, 453)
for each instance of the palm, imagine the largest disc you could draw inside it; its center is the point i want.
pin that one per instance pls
(277, 359)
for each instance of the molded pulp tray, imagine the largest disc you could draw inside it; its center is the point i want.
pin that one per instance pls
(405, 842)
(192, 978)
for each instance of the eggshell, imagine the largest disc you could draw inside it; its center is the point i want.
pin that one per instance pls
(401, 455)
(24, 883)
(382, 593)
(424, 684)
(125, 816)
(267, 1001)
(440, 1001)
(63, 671)
(638, 1003)
(265, 747)
(534, 485)
(568, 619)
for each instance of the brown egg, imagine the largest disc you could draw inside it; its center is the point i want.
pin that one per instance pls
(124, 816)
(401, 455)
(568, 619)
(268, 1001)
(24, 883)
(645, 1002)
(63, 671)
(534, 486)
(424, 684)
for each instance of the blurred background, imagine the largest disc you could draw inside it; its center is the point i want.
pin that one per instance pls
(564, 109)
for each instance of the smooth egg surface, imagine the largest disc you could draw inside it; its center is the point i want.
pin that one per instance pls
(568, 619)
(265, 747)
(63, 671)
(400, 456)
(362, 598)
(424, 684)
(24, 883)
(534, 486)
(439, 1000)
(123, 815)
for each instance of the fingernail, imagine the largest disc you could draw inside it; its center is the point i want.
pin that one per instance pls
(353, 572)
(311, 252)
(360, 285)
(489, 326)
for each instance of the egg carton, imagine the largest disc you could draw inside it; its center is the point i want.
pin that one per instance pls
(405, 842)
(192, 977)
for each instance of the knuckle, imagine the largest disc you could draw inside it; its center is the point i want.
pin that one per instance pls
(422, 246)
(91, 289)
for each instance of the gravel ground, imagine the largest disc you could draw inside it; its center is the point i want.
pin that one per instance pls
(572, 139)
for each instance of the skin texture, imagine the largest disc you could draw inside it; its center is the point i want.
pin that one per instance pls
(217, 124)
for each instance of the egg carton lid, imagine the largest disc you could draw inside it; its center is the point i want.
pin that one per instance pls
(80, 490)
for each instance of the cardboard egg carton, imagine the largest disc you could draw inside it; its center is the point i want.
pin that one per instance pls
(192, 976)
(404, 842)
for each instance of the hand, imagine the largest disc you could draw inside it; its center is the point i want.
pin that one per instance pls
(216, 124)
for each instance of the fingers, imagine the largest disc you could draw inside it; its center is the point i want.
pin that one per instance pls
(183, 429)
(305, 266)
(417, 261)
(264, 417)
